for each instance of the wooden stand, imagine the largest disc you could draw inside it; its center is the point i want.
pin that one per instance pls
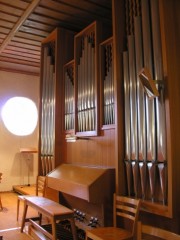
(29, 150)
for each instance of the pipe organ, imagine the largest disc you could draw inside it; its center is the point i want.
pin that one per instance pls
(107, 78)
(70, 89)
(91, 89)
(145, 126)
(48, 109)
(69, 96)
(54, 55)
(87, 80)
(86, 85)
(98, 94)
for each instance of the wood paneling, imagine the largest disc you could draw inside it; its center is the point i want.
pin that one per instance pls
(96, 151)
(36, 24)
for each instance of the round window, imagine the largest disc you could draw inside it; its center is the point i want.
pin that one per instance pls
(20, 116)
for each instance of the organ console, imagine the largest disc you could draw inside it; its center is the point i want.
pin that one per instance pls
(87, 190)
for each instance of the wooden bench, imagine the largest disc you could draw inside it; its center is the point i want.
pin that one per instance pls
(40, 191)
(156, 233)
(52, 210)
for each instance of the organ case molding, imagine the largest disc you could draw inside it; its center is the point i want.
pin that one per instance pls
(69, 93)
(107, 104)
(60, 43)
(171, 98)
(87, 80)
(170, 62)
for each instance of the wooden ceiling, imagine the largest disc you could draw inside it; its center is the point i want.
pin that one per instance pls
(25, 23)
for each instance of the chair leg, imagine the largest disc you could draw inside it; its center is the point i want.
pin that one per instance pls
(54, 233)
(18, 202)
(73, 228)
(24, 216)
(40, 219)
(87, 237)
(1, 207)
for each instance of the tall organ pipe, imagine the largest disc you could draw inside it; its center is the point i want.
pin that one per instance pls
(133, 105)
(150, 116)
(150, 106)
(133, 112)
(47, 120)
(140, 106)
(160, 108)
(127, 123)
(47, 143)
(43, 111)
(158, 75)
(86, 85)
(50, 132)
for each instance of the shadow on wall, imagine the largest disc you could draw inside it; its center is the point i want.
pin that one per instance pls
(23, 166)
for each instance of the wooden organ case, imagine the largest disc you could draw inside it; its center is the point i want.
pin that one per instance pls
(71, 108)
(57, 49)
(150, 35)
(146, 163)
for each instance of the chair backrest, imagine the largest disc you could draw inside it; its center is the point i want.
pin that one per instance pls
(127, 208)
(156, 232)
(40, 185)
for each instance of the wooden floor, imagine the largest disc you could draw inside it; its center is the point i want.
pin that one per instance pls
(9, 226)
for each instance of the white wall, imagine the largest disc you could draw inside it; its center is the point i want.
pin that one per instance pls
(13, 165)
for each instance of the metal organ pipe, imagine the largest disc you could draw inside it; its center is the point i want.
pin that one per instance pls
(108, 86)
(145, 126)
(47, 120)
(45, 53)
(127, 123)
(86, 85)
(140, 106)
(140, 92)
(150, 116)
(47, 115)
(150, 106)
(69, 97)
(158, 75)
(159, 102)
(133, 112)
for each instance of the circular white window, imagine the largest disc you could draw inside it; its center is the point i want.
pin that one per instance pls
(20, 116)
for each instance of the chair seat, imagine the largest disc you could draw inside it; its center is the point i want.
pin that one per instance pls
(123, 207)
(108, 233)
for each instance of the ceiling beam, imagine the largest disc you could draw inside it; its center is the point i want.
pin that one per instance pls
(19, 23)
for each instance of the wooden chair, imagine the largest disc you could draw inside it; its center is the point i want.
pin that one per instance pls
(1, 207)
(155, 232)
(124, 207)
(40, 191)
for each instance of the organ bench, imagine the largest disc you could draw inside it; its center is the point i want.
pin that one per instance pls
(50, 209)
